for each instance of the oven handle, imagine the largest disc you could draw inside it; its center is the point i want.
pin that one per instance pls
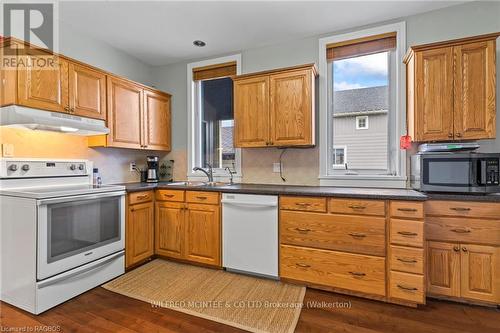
(78, 271)
(80, 197)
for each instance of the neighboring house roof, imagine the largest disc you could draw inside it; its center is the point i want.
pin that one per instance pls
(354, 102)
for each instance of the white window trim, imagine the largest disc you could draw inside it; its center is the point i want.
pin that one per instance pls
(341, 166)
(358, 118)
(193, 129)
(398, 127)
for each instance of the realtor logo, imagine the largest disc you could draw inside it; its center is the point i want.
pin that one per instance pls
(36, 25)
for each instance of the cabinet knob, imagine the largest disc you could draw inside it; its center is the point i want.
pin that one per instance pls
(450, 135)
(66, 108)
(456, 248)
(459, 135)
(464, 249)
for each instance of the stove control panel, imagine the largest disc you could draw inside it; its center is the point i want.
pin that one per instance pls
(24, 168)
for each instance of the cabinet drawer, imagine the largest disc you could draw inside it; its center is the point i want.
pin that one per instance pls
(463, 230)
(355, 206)
(335, 269)
(359, 234)
(406, 259)
(139, 197)
(170, 195)
(409, 233)
(407, 209)
(211, 198)
(489, 210)
(409, 287)
(303, 203)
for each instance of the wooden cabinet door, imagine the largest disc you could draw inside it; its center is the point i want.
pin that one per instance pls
(251, 112)
(157, 124)
(139, 233)
(443, 270)
(434, 95)
(169, 229)
(480, 272)
(125, 105)
(291, 108)
(202, 234)
(43, 83)
(475, 106)
(87, 91)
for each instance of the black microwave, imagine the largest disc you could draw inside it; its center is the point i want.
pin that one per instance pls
(464, 172)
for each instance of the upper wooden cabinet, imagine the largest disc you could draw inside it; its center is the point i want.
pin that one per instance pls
(125, 114)
(43, 87)
(157, 120)
(87, 91)
(137, 117)
(275, 108)
(451, 89)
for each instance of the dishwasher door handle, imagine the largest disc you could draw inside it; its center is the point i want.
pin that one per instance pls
(248, 204)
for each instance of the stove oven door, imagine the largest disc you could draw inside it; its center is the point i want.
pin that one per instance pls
(76, 230)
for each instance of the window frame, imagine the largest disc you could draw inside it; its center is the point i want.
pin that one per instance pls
(194, 122)
(358, 118)
(397, 125)
(340, 166)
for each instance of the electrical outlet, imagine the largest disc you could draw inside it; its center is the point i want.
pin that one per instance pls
(276, 167)
(132, 166)
(7, 150)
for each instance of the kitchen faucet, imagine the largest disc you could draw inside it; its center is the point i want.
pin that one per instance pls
(209, 173)
(231, 173)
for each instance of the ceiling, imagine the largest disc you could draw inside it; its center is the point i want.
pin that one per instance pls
(160, 32)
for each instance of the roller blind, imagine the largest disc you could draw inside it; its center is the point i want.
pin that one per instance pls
(214, 71)
(361, 46)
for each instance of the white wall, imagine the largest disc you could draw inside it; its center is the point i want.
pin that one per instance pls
(77, 45)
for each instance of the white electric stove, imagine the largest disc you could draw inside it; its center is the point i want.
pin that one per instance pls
(60, 235)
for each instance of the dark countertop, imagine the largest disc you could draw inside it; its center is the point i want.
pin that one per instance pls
(327, 191)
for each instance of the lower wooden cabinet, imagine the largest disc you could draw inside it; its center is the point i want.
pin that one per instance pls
(139, 233)
(464, 270)
(202, 234)
(169, 229)
(186, 230)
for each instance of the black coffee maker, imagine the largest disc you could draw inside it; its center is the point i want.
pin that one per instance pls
(152, 169)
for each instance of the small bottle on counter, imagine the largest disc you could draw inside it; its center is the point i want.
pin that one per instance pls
(95, 177)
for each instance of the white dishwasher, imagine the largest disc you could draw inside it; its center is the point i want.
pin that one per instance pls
(250, 234)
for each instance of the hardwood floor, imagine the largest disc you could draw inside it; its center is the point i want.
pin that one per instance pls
(100, 310)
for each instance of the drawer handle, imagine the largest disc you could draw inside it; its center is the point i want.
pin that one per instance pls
(461, 230)
(140, 197)
(168, 195)
(407, 233)
(302, 265)
(303, 204)
(407, 288)
(460, 209)
(407, 209)
(357, 234)
(201, 197)
(356, 207)
(358, 274)
(302, 229)
(408, 261)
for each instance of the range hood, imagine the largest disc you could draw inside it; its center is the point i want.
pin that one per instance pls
(23, 117)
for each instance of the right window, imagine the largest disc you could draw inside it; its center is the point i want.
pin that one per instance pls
(360, 90)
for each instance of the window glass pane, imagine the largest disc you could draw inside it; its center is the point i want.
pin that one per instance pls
(360, 92)
(217, 123)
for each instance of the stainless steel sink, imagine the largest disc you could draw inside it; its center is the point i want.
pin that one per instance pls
(186, 184)
(198, 183)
